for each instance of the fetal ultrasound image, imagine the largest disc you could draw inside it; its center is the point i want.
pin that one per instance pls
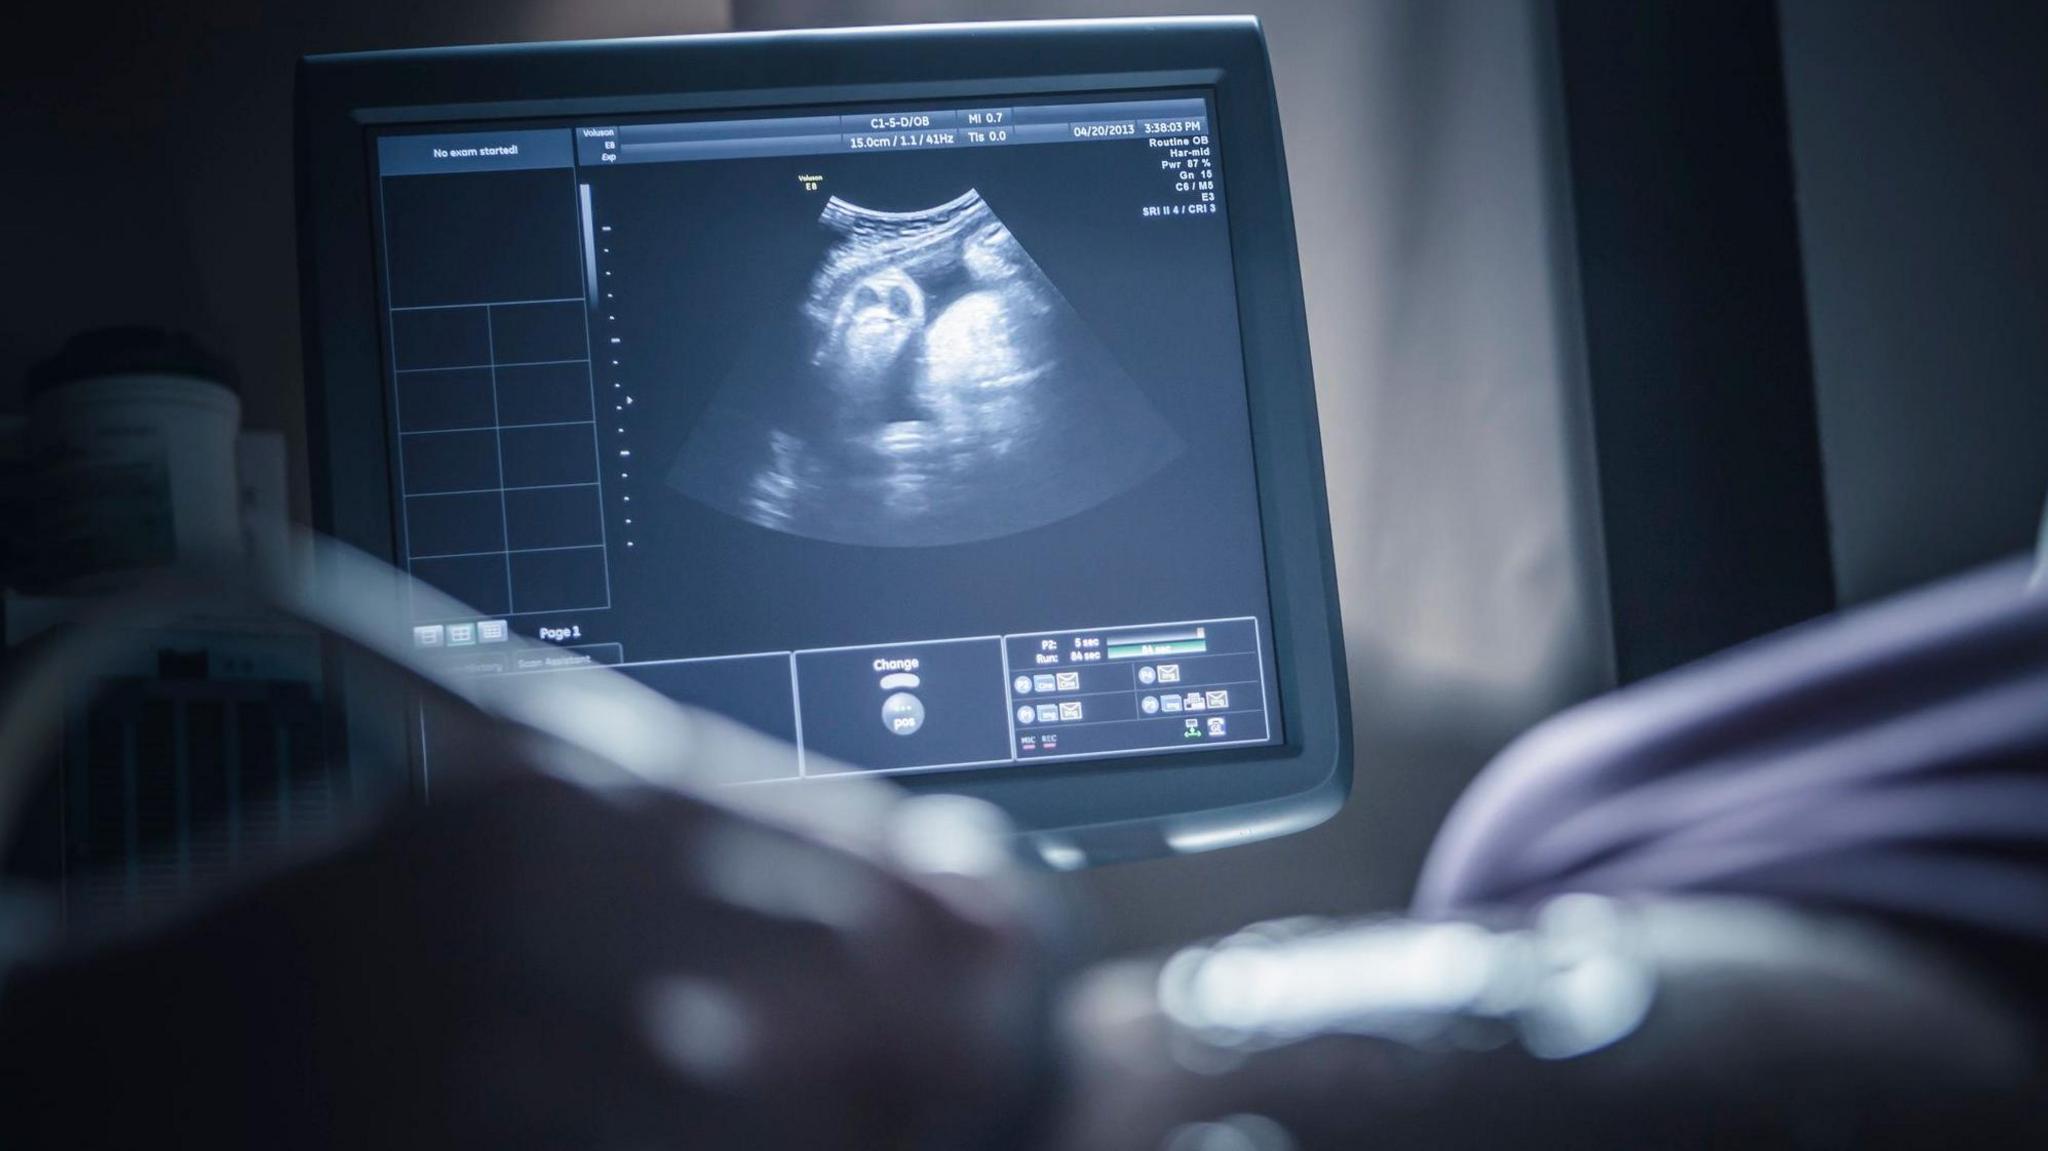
(931, 387)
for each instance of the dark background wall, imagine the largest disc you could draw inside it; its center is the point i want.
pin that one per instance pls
(149, 173)
(150, 179)
(1920, 147)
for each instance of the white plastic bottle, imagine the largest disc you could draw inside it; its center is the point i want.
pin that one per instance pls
(133, 431)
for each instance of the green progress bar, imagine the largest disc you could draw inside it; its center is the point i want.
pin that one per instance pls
(1141, 650)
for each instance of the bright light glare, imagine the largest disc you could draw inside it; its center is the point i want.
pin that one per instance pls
(1570, 985)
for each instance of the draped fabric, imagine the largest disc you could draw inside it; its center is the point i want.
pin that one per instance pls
(1891, 759)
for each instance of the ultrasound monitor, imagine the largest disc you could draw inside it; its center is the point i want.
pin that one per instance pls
(935, 400)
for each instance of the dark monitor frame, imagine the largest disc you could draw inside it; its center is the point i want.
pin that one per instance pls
(1079, 813)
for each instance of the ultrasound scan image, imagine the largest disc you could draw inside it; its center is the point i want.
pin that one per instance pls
(932, 387)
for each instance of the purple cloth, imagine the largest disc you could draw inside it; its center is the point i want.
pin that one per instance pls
(1891, 759)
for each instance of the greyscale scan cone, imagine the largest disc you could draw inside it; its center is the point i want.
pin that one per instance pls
(942, 391)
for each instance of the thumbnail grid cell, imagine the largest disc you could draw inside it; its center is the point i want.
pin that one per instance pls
(498, 455)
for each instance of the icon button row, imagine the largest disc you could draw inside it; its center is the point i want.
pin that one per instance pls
(466, 634)
(1066, 712)
(1042, 682)
(1193, 701)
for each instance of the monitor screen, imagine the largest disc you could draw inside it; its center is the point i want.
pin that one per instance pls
(916, 435)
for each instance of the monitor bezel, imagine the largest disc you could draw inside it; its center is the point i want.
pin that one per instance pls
(1079, 812)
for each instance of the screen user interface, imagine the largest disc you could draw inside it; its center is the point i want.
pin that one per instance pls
(915, 435)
